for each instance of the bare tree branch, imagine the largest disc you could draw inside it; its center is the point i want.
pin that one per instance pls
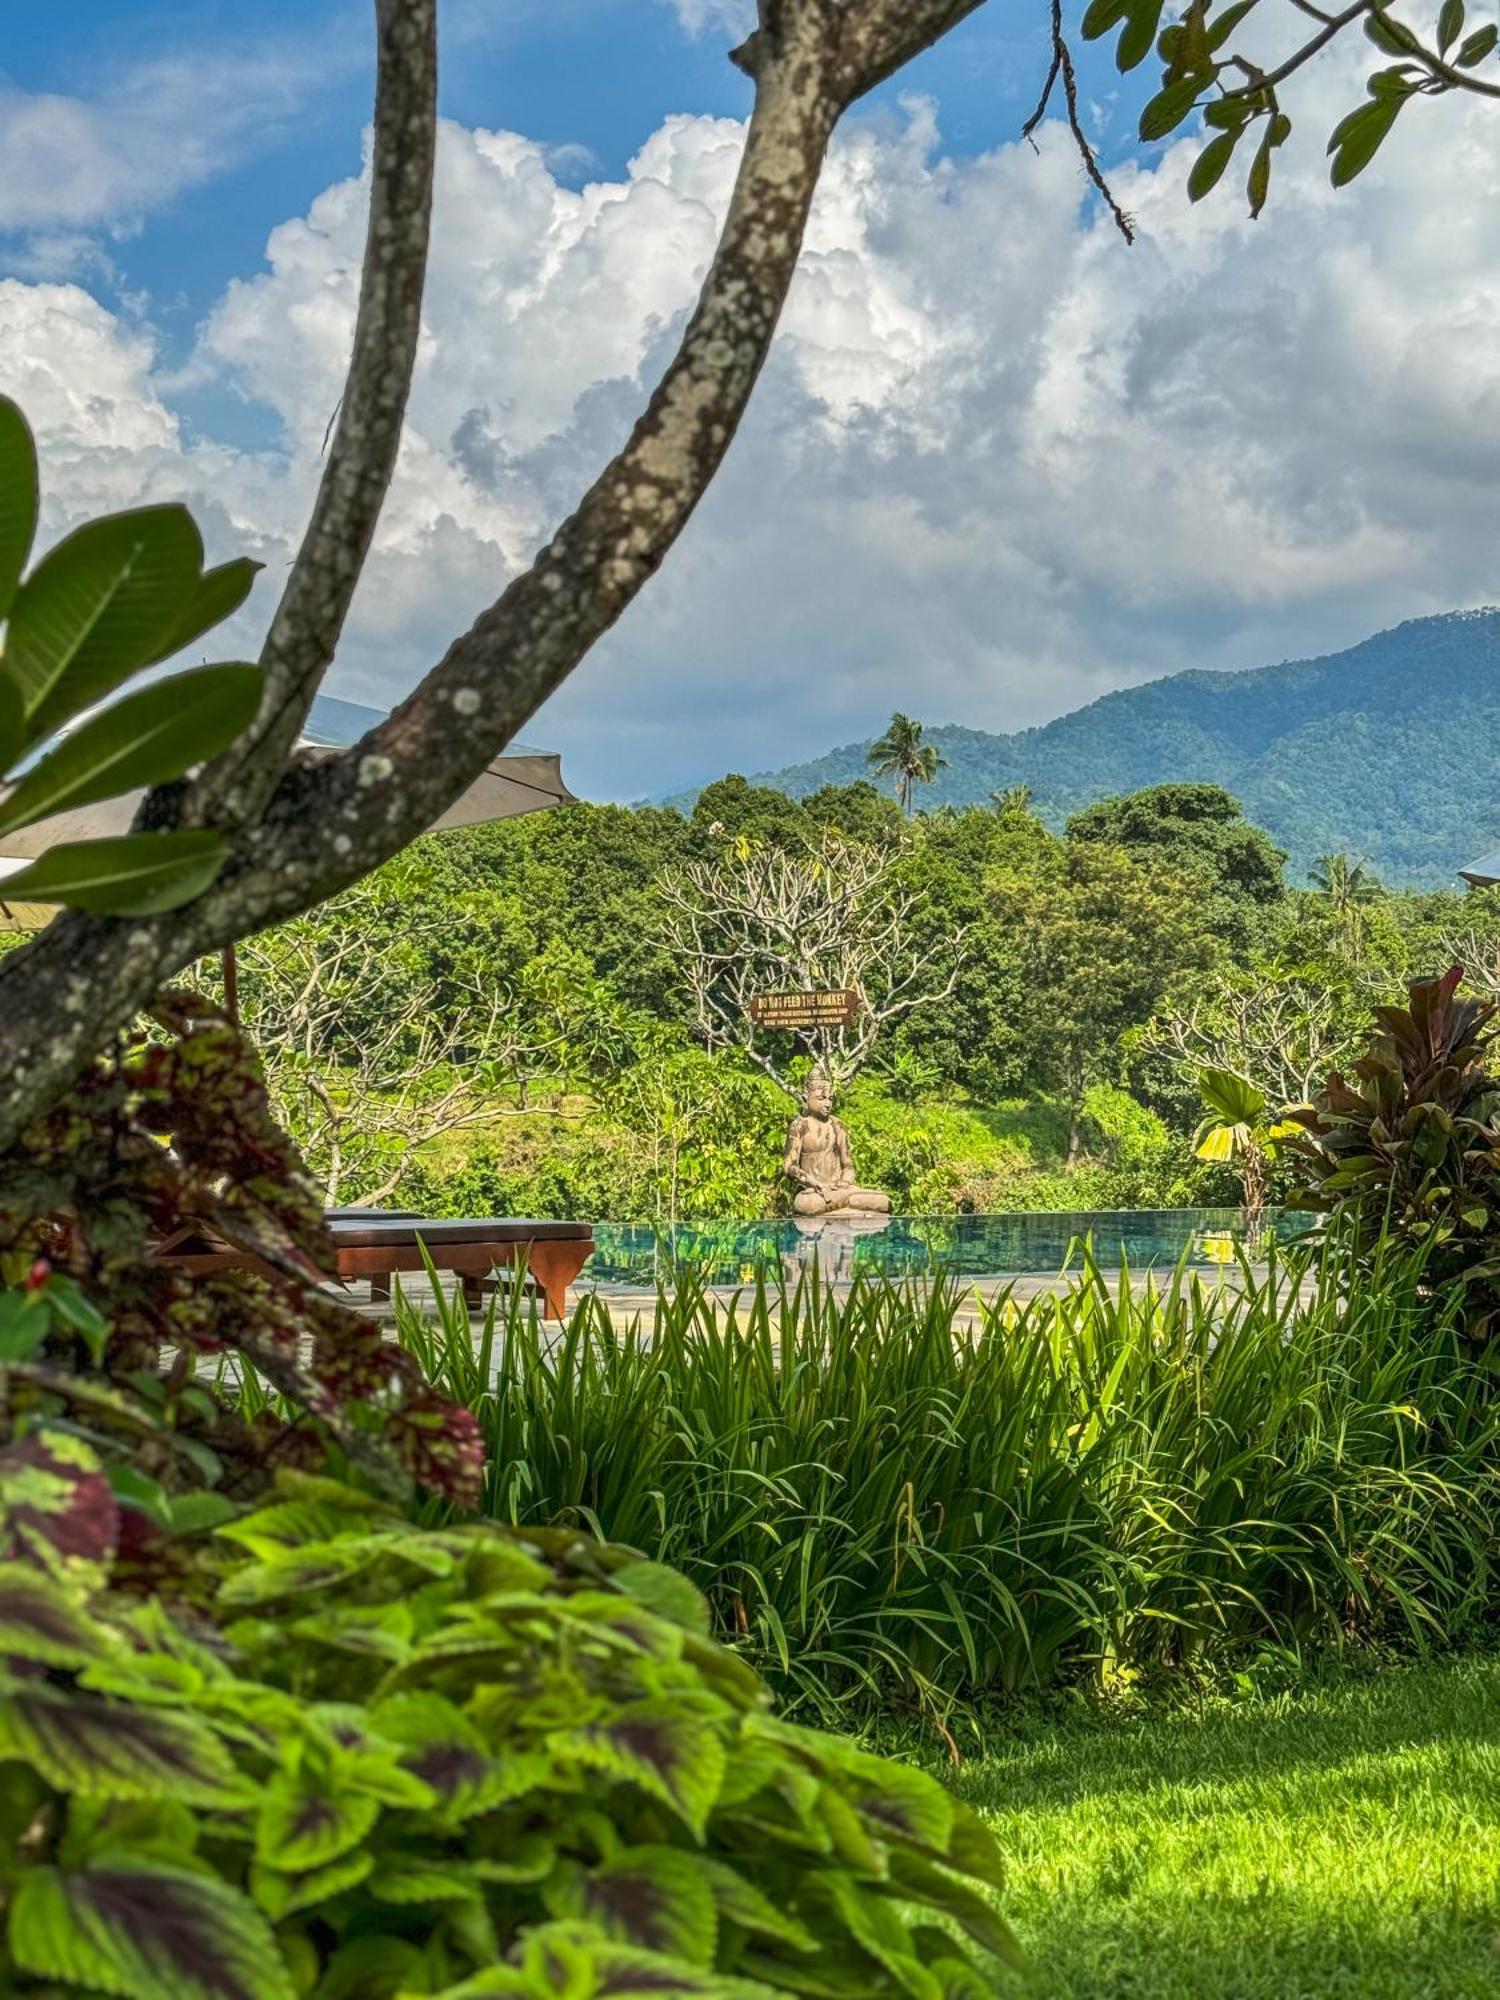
(365, 1065)
(1061, 66)
(828, 919)
(1282, 1035)
(305, 629)
(326, 824)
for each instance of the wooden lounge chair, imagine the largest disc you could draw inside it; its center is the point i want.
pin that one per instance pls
(553, 1252)
(377, 1243)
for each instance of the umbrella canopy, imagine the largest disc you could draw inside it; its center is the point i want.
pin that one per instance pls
(523, 780)
(1483, 873)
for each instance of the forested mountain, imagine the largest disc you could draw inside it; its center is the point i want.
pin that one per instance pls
(1389, 751)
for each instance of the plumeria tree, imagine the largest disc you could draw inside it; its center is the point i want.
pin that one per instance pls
(270, 831)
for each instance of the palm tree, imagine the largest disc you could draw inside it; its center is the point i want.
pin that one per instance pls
(1350, 888)
(901, 754)
(1013, 803)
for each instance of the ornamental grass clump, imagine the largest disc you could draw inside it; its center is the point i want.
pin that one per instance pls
(887, 1500)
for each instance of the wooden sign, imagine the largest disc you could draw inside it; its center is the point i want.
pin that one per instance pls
(805, 1010)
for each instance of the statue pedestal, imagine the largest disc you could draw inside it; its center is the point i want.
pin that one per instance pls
(829, 1240)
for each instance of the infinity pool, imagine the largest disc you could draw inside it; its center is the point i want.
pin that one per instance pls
(728, 1253)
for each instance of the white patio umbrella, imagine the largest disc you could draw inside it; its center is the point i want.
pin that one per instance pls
(523, 780)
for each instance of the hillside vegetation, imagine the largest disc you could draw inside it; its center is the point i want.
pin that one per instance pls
(498, 1023)
(1385, 750)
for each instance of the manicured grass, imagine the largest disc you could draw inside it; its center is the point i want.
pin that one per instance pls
(1342, 1841)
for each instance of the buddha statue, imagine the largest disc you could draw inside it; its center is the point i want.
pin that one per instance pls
(819, 1162)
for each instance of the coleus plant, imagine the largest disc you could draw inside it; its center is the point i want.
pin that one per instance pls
(173, 1130)
(1408, 1146)
(116, 596)
(466, 1762)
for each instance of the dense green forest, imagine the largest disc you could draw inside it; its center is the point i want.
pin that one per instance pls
(1369, 750)
(507, 1020)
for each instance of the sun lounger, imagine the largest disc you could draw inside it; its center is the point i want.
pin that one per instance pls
(377, 1243)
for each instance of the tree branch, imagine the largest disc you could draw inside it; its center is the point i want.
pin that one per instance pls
(329, 822)
(310, 617)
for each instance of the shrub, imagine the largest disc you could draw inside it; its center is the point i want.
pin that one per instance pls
(458, 1761)
(1410, 1149)
(888, 1500)
(167, 1135)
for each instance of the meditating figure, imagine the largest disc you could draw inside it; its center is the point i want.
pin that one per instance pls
(818, 1159)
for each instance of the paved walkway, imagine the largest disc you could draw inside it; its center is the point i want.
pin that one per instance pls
(628, 1305)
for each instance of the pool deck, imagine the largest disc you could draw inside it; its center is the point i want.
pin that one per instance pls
(629, 1305)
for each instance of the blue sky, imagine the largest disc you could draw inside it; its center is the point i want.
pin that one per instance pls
(999, 464)
(590, 79)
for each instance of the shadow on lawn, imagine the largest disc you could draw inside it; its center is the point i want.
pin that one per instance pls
(1270, 1947)
(1319, 1729)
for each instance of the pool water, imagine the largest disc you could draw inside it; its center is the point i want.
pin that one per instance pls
(729, 1253)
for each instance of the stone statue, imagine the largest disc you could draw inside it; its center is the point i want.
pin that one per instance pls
(818, 1159)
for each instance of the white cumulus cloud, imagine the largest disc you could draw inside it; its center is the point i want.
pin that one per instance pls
(998, 463)
(700, 16)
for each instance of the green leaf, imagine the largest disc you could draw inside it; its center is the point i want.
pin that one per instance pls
(1139, 34)
(99, 607)
(668, 1753)
(279, 1895)
(78, 1314)
(1258, 181)
(114, 1750)
(667, 1592)
(747, 1906)
(914, 1876)
(147, 1496)
(136, 875)
(1224, 25)
(1208, 168)
(18, 502)
(1477, 46)
(219, 593)
(1357, 138)
(24, 1323)
(12, 720)
(148, 738)
(307, 1820)
(1450, 24)
(1232, 1098)
(39, 1620)
(122, 1928)
(1388, 35)
(653, 1897)
(1102, 15)
(1169, 107)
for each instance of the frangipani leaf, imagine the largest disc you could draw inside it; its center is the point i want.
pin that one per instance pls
(219, 593)
(136, 875)
(12, 720)
(98, 608)
(18, 503)
(150, 737)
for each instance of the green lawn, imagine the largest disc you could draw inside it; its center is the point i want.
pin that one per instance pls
(1343, 1841)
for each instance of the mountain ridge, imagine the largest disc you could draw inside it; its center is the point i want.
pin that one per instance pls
(1388, 750)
